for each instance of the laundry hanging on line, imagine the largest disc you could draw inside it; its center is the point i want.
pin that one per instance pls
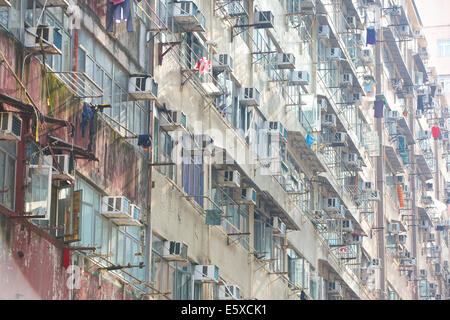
(118, 11)
(371, 36)
(379, 109)
(202, 66)
(145, 141)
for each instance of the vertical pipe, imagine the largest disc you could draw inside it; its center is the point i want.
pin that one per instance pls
(148, 231)
(380, 158)
(412, 183)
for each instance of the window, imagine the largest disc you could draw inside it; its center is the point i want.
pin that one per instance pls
(124, 243)
(172, 277)
(445, 82)
(192, 173)
(113, 79)
(7, 173)
(444, 48)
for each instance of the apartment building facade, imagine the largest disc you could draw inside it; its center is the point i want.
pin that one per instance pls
(220, 150)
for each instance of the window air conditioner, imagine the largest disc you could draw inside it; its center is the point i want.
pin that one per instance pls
(10, 126)
(206, 273)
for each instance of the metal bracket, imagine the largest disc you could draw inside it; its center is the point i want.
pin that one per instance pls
(161, 54)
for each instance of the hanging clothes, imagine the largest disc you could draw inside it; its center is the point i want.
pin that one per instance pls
(436, 132)
(145, 141)
(310, 140)
(379, 109)
(118, 11)
(369, 85)
(401, 197)
(202, 66)
(371, 36)
(420, 105)
(66, 258)
(86, 117)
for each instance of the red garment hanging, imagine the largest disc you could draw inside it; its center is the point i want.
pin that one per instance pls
(436, 132)
(66, 258)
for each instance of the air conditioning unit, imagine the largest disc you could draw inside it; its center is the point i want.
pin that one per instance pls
(423, 273)
(419, 34)
(430, 237)
(229, 179)
(249, 97)
(63, 168)
(175, 250)
(323, 105)
(427, 200)
(367, 55)
(376, 263)
(399, 179)
(116, 207)
(353, 98)
(285, 61)
(339, 139)
(44, 39)
(323, 32)
(278, 225)
(143, 87)
(222, 62)
(332, 205)
(263, 19)
(403, 31)
(395, 11)
(347, 79)
(329, 121)
(394, 227)
(132, 220)
(436, 249)
(248, 196)
(358, 37)
(424, 224)
(333, 53)
(352, 239)
(229, 292)
(10, 126)
(334, 287)
(351, 21)
(300, 77)
(206, 273)
(175, 120)
(276, 128)
(332, 224)
(347, 225)
(368, 187)
(407, 195)
(393, 115)
(351, 160)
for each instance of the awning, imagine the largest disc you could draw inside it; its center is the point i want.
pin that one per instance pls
(419, 63)
(397, 57)
(60, 144)
(423, 166)
(393, 159)
(28, 108)
(404, 130)
(284, 215)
